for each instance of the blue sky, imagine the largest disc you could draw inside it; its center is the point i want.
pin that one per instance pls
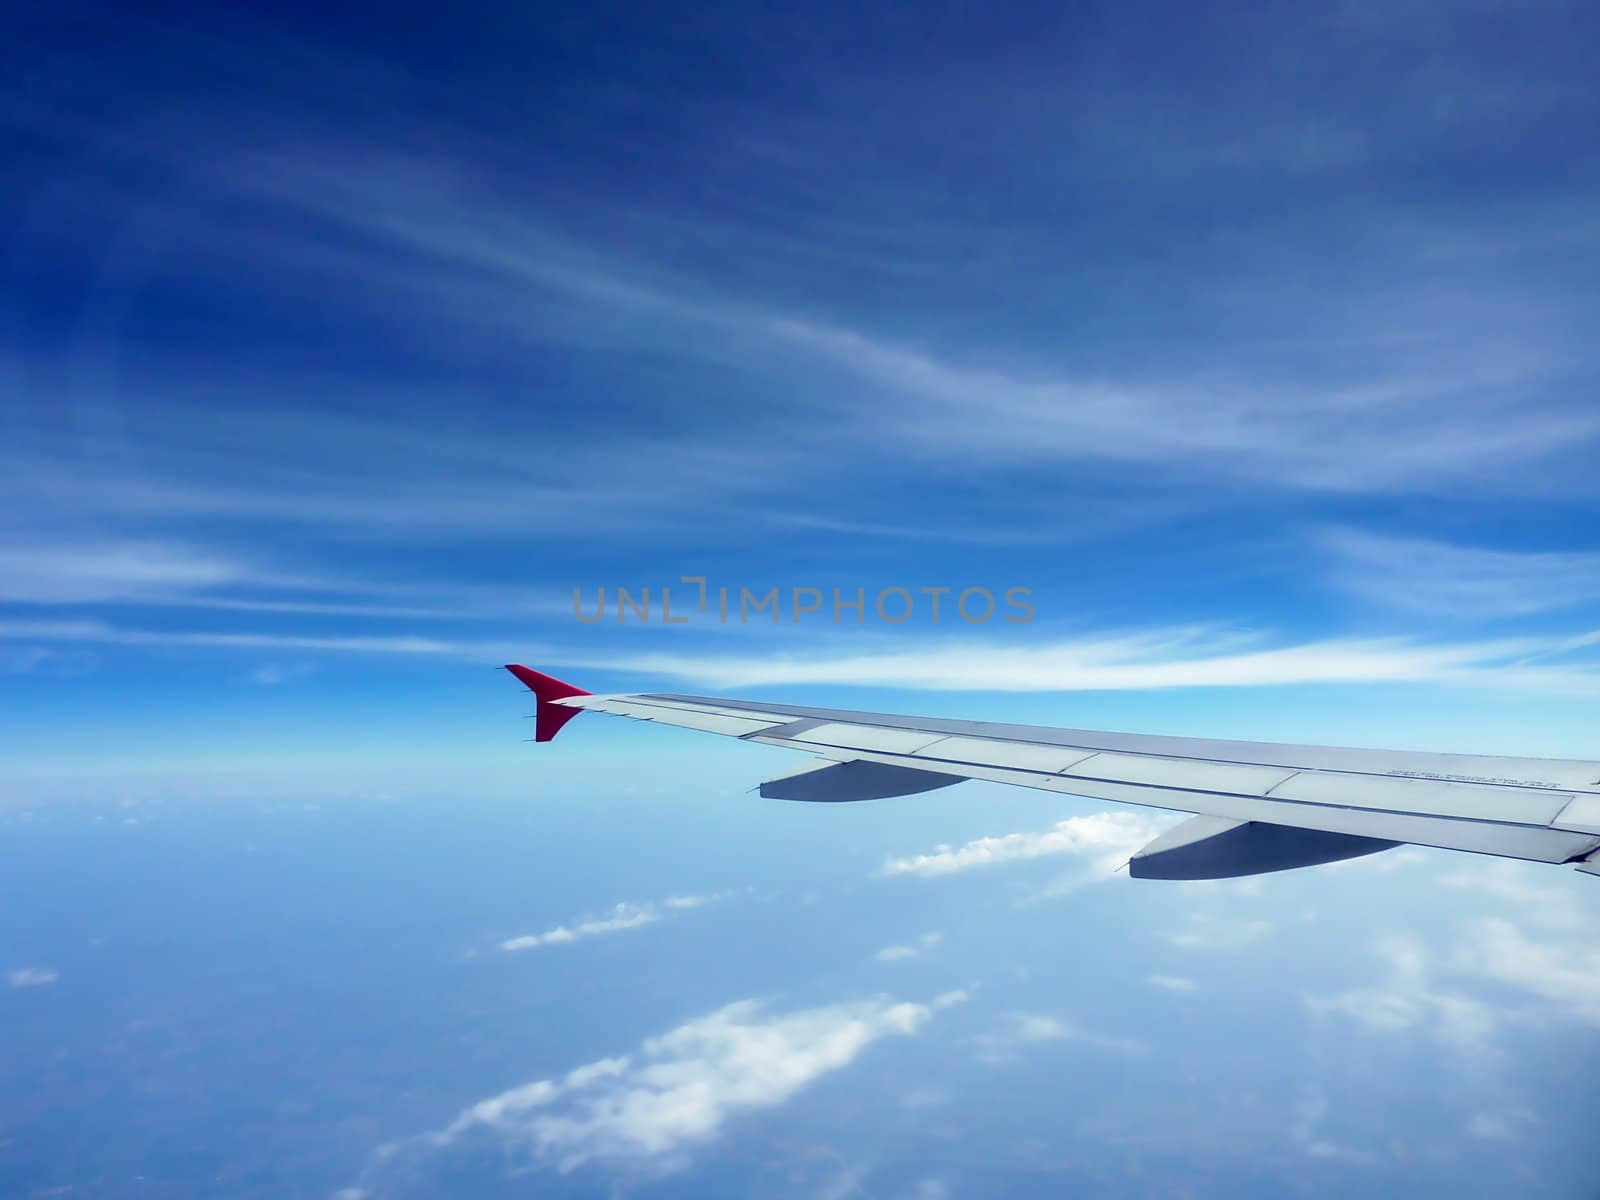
(1255, 342)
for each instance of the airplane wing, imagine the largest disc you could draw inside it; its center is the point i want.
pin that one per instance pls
(1259, 806)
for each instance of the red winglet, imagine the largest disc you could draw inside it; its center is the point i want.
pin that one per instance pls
(547, 688)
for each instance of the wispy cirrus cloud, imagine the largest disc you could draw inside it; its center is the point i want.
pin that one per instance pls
(1155, 659)
(119, 570)
(1448, 392)
(1381, 430)
(63, 571)
(648, 1110)
(1159, 658)
(104, 633)
(45, 660)
(275, 674)
(190, 464)
(1465, 582)
(1438, 402)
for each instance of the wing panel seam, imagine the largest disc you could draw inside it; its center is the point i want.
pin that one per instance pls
(1067, 780)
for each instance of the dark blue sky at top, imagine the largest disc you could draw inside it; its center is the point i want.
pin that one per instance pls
(339, 345)
(1044, 173)
(1251, 329)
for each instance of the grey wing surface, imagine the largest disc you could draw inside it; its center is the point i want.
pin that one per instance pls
(1259, 806)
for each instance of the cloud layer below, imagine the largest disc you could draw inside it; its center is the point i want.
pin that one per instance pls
(649, 1109)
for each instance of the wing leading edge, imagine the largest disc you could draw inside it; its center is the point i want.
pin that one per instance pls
(1261, 806)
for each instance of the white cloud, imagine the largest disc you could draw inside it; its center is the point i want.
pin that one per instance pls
(1024, 1029)
(46, 660)
(62, 571)
(1507, 1126)
(1565, 974)
(650, 1108)
(1155, 659)
(847, 1184)
(1557, 976)
(1540, 897)
(1304, 1132)
(1152, 660)
(1109, 838)
(23, 660)
(1409, 1000)
(24, 977)
(1207, 932)
(1173, 983)
(891, 954)
(622, 916)
(1036, 1028)
(1302, 437)
(121, 570)
(101, 632)
(275, 673)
